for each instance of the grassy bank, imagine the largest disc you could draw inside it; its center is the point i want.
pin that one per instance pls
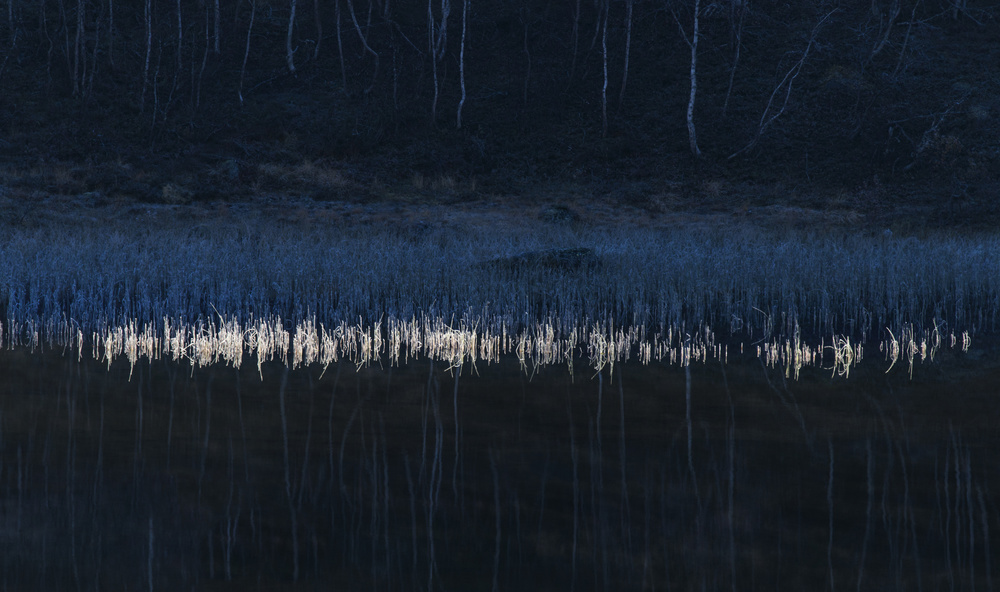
(214, 288)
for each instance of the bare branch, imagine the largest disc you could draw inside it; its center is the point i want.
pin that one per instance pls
(767, 117)
(364, 42)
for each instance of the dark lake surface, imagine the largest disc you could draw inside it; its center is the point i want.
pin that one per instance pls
(425, 477)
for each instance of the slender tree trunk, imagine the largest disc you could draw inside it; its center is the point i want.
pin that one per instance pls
(736, 58)
(433, 53)
(246, 52)
(180, 58)
(767, 117)
(79, 55)
(111, 33)
(204, 61)
(628, 49)
(439, 45)
(692, 134)
(461, 68)
(180, 36)
(43, 31)
(604, 63)
(527, 55)
(65, 29)
(906, 39)
(215, 30)
(319, 29)
(364, 42)
(576, 38)
(289, 53)
(89, 71)
(340, 48)
(148, 14)
(395, 72)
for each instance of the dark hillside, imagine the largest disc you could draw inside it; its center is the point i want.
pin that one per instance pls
(886, 108)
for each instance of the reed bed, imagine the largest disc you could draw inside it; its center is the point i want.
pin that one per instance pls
(220, 292)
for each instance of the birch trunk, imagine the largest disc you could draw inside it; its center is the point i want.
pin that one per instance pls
(289, 53)
(461, 63)
(604, 62)
(692, 133)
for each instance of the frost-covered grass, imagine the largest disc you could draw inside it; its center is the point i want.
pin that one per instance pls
(77, 286)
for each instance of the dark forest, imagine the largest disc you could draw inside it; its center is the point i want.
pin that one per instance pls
(875, 106)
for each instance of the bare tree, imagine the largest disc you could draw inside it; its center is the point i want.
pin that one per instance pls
(204, 62)
(770, 115)
(246, 51)
(180, 60)
(906, 39)
(437, 39)
(180, 39)
(692, 42)
(10, 22)
(604, 63)
(148, 14)
(215, 31)
(111, 33)
(628, 49)
(364, 42)
(886, 20)
(692, 134)
(340, 48)
(461, 63)
(289, 53)
(319, 29)
(736, 22)
(79, 53)
(576, 38)
(527, 55)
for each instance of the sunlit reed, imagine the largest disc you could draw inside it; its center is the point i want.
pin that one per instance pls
(224, 292)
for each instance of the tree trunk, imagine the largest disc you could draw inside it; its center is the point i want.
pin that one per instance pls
(433, 53)
(79, 55)
(738, 42)
(148, 14)
(215, 30)
(576, 38)
(340, 47)
(111, 33)
(246, 52)
(461, 63)
(289, 53)
(628, 49)
(319, 29)
(604, 63)
(364, 42)
(692, 134)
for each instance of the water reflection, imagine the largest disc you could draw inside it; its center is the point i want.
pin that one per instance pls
(420, 477)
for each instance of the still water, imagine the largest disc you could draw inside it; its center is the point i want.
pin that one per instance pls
(425, 477)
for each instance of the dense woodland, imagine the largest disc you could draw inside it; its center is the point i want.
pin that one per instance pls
(861, 95)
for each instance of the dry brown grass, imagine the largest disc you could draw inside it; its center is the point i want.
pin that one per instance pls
(307, 174)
